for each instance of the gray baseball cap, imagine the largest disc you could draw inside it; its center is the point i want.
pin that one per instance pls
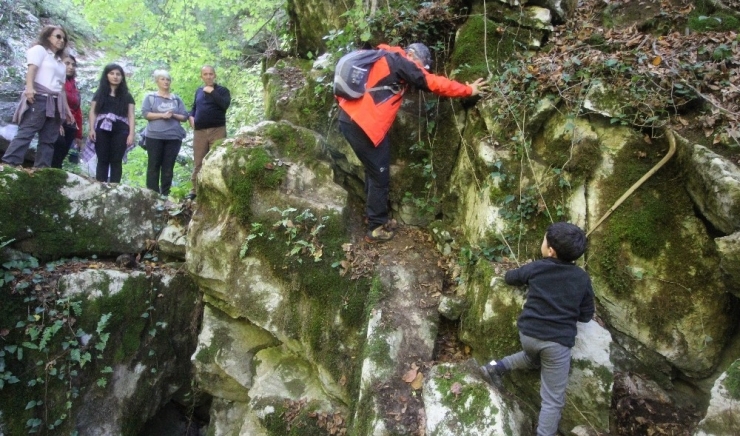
(422, 52)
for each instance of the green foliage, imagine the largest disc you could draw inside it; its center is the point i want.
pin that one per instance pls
(732, 382)
(404, 23)
(182, 36)
(301, 231)
(46, 351)
(706, 18)
(134, 173)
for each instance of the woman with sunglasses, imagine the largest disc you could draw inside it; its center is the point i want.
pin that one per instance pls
(43, 104)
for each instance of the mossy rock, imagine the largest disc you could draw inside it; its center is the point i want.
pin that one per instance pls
(272, 258)
(296, 93)
(311, 21)
(458, 401)
(489, 324)
(500, 43)
(51, 214)
(135, 335)
(570, 144)
(638, 269)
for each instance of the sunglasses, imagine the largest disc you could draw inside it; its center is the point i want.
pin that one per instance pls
(58, 36)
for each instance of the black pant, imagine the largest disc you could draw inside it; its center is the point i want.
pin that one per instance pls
(63, 144)
(110, 147)
(376, 161)
(160, 167)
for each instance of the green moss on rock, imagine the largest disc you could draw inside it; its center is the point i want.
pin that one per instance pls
(248, 171)
(475, 397)
(31, 205)
(501, 42)
(325, 311)
(732, 382)
(495, 336)
(650, 228)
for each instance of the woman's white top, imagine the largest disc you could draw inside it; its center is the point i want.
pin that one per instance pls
(51, 71)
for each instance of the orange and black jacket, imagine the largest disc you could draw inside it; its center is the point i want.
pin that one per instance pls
(375, 111)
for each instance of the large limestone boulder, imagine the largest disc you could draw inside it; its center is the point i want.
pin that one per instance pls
(224, 358)
(638, 269)
(119, 353)
(728, 248)
(724, 405)
(51, 213)
(261, 244)
(713, 184)
(459, 402)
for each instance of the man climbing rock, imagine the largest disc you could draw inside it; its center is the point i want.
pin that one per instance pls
(365, 121)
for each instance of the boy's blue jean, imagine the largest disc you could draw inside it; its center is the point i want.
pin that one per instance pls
(553, 359)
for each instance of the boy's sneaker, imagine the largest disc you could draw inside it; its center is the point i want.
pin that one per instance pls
(492, 373)
(380, 234)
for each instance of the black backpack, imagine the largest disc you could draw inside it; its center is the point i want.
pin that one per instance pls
(350, 75)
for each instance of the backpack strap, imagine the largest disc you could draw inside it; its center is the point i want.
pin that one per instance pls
(396, 88)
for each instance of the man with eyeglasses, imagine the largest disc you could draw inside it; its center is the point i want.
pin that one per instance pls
(43, 103)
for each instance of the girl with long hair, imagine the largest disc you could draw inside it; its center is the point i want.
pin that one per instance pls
(43, 104)
(112, 127)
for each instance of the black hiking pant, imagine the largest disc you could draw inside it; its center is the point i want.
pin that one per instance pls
(376, 161)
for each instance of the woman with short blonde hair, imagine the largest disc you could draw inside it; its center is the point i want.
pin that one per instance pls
(164, 134)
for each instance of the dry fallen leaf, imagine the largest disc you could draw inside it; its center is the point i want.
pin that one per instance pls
(410, 375)
(456, 389)
(418, 382)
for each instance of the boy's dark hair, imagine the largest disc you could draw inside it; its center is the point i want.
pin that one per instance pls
(568, 240)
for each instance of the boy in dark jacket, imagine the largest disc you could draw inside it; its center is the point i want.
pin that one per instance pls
(559, 295)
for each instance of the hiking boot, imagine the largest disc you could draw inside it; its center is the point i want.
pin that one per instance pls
(191, 196)
(492, 372)
(380, 234)
(391, 224)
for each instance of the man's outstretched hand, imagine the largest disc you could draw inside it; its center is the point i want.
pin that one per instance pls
(479, 86)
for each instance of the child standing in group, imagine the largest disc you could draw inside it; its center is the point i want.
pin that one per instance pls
(559, 295)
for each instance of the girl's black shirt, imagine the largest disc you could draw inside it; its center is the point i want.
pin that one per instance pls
(107, 104)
